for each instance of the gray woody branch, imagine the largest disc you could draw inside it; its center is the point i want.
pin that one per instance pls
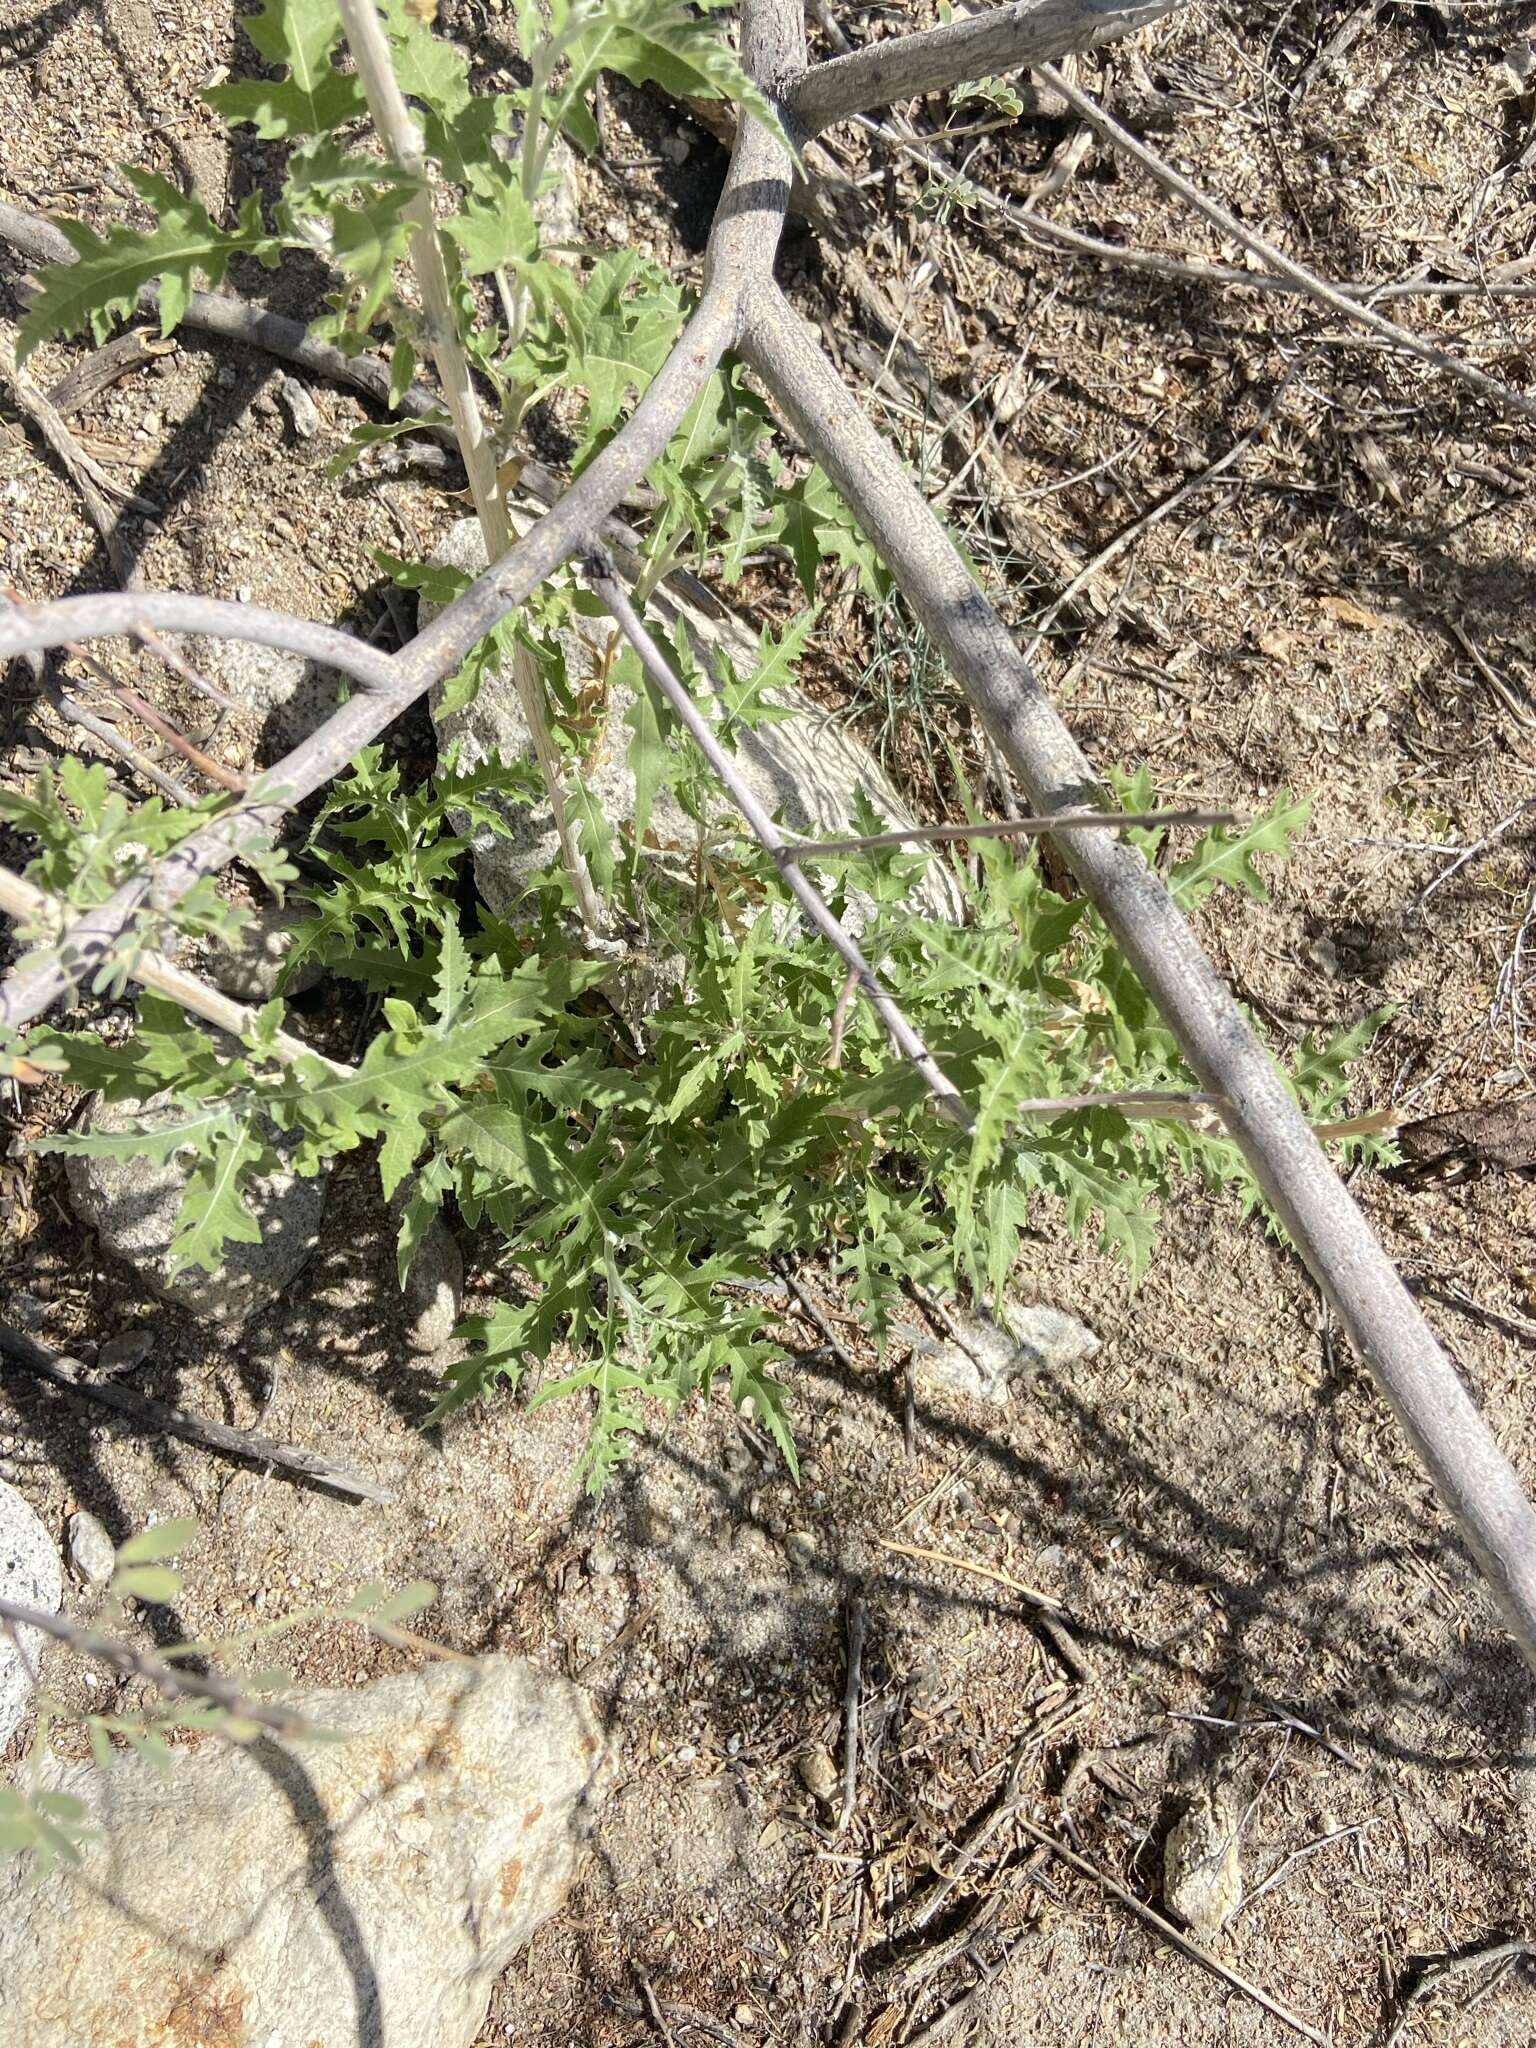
(743, 305)
(985, 46)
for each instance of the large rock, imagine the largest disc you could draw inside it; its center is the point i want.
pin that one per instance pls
(367, 1890)
(251, 967)
(982, 1359)
(805, 769)
(30, 1576)
(132, 1205)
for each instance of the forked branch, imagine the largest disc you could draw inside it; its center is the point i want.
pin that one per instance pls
(985, 46)
(742, 304)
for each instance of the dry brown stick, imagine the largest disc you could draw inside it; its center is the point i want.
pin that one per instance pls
(96, 488)
(1005, 1809)
(1170, 1933)
(179, 665)
(1499, 1957)
(62, 1371)
(852, 1696)
(117, 358)
(170, 1679)
(129, 698)
(75, 713)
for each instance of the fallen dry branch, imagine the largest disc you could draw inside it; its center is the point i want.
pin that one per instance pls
(743, 307)
(159, 1417)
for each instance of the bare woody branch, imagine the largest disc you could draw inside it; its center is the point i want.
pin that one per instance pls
(599, 572)
(987, 45)
(1450, 1436)
(394, 681)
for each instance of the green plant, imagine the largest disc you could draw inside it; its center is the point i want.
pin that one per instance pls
(639, 1182)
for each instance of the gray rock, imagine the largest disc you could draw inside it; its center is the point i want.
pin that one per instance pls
(30, 1576)
(369, 1889)
(132, 1205)
(125, 1352)
(806, 768)
(434, 1292)
(303, 413)
(818, 1773)
(290, 695)
(251, 967)
(1202, 1865)
(91, 1551)
(986, 1359)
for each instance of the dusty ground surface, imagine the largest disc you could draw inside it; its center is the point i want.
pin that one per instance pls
(1250, 1585)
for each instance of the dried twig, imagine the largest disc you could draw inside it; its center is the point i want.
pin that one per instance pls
(979, 1570)
(175, 1681)
(1306, 281)
(1170, 1933)
(1010, 828)
(1503, 1956)
(96, 488)
(63, 1371)
(852, 1696)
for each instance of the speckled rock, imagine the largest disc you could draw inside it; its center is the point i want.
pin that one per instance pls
(806, 768)
(91, 1551)
(251, 967)
(984, 1359)
(434, 1292)
(1202, 1864)
(132, 1205)
(29, 1575)
(319, 1896)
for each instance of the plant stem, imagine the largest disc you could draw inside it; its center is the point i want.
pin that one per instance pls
(401, 138)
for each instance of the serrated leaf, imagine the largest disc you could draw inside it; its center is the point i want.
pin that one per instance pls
(104, 282)
(1226, 854)
(213, 1211)
(673, 45)
(198, 1128)
(315, 98)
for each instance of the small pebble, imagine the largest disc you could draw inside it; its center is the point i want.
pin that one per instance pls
(818, 1773)
(125, 1352)
(686, 1754)
(675, 148)
(800, 1547)
(91, 1551)
(303, 414)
